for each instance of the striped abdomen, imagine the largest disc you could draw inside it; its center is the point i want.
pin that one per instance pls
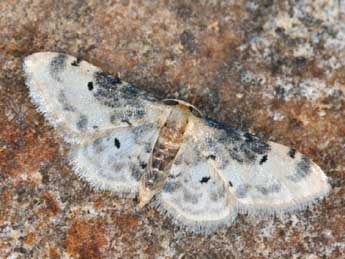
(167, 146)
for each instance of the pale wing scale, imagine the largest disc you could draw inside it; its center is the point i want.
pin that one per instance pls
(117, 160)
(194, 195)
(89, 107)
(264, 177)
(81, 101)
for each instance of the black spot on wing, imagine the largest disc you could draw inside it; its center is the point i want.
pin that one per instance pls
(263, 159)
(90, 86)
(82, 122)
(57, 65)
(212, 157)
(292, 153)
(230, 184)
(205, 179)
(143, 165)
(76, 62)
(117, 143)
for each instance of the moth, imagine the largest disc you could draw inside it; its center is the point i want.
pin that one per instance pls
(199, 172)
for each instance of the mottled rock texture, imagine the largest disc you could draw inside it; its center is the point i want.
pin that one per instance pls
(276, 68)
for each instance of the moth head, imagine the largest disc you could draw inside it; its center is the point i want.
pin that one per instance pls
(192, 109)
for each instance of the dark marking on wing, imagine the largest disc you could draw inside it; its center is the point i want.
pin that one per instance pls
(190, 197)
(255, 144)
(114, 118)
(302, 169)
(242, 190)
(171, 186)
(64, 102)
(98, 146)
(213, 157)
(292, 153)
(235, 155)
(205, 179)
(143, 165)
(241, 147)
(125, 115)
(267, 190)
(137, 173)
(230, 184)
(57, 65)
(107, 89)
(76, 62)
(82, 122)
(118, 166)
(142, 131)
(148, 147)
(263, 159)
(231, 133)
(249, 155)
(248, 137)
(130, 92)
(90, 85)
(117, 143)
(106, 81)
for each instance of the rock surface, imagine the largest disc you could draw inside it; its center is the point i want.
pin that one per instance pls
(276, 68)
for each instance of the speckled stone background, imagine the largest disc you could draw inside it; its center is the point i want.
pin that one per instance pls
(276, 68)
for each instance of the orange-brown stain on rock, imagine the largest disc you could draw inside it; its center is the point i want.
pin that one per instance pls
(126, 222)
(86, 239)
(54, 253)
(304, 128)
(338, 76)
(23, 151)
(52, 206)
(29, 239)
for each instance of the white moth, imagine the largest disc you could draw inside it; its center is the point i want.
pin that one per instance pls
(200, 172)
